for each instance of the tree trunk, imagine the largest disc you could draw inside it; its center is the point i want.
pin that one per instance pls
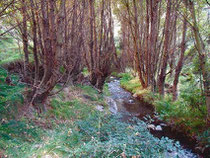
(25, 40)
(162, 76)
(202, 57)
(34, 30)
(91, 44)
(180, 62)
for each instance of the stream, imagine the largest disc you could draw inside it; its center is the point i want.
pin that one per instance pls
(124, 103)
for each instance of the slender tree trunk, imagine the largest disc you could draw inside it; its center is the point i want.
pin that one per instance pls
(162, 76)
(48, 52)
(50, 64)
(202, 57)
(180, 62)
(153, 37)
(25, 40)
(34, 30)
(134, 33)
(91, 44)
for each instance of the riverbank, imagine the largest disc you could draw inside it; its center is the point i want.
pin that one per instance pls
(77, 123)
(187, 121)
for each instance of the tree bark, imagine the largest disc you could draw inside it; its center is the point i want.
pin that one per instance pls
(180, 62)
(202, 57)
(35, 51)
(162, 76)
(25, 40)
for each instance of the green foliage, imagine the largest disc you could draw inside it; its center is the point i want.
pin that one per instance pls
(125, 77)
(193, 96)
(69, 110)
(9, 51)
(106, 90)
(205, 138)
(107, 136)
(98, 136)
(10, 95)
(85, 72)
(131, 85)
(88, 89)
(181, 113)
(187, 113)
(81, 131)
(17, 137)
(115, 74)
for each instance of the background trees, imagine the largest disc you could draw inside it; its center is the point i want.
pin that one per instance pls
(62, 44)
(100, 42)
(157, 35)
(59, 38)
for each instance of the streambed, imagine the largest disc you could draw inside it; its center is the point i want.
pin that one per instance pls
(124, 103)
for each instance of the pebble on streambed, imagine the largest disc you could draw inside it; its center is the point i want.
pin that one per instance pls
(158, 128)
(153, 127)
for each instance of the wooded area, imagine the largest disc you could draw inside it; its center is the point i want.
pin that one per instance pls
(160, 47)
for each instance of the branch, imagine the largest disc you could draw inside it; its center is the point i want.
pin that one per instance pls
(207, 2)
(6, 7)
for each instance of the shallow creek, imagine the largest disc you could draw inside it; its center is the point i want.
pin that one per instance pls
(123, 102)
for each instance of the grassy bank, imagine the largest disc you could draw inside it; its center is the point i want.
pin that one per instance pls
(187, 114)
(73, 127)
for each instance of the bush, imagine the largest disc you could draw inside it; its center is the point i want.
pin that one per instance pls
(181, 114)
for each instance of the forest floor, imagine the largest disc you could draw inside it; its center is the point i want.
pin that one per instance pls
(78, 124)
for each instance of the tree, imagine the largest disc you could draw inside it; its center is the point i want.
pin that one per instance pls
(181, 59)
(102, 47)
(202, 55)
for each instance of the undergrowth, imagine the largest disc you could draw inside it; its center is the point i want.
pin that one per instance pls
(95, 136)
(74, 128)
(10, 95)
(77, 129)
(9, 51)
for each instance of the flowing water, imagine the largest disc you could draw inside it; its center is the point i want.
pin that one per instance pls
(123, 102)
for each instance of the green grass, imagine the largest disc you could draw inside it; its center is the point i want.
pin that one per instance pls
(132, 84)
(95, 136)
(9, 51)
(70, 110)
(106, 91)
(74, 128)
(10, 95)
